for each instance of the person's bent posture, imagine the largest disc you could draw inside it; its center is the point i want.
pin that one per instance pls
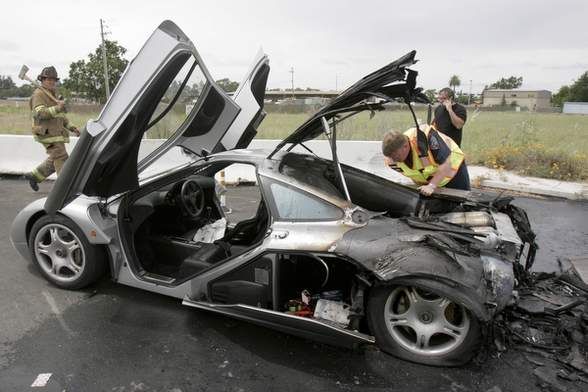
(431, 162)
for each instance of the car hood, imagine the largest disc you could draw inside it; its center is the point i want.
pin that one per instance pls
(105, 160)
(392, 81)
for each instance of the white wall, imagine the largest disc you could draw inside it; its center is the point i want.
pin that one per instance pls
(575, 108)
(20, 154)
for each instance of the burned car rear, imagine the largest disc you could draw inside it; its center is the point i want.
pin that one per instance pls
(427, 273)
(430, 272)
(475, 245)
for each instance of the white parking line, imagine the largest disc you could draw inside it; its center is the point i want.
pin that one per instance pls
(57, 312)
(41, 380)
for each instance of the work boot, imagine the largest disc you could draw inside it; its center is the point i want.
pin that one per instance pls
(32, 181)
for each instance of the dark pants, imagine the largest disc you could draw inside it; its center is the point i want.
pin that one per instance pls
(461, 180)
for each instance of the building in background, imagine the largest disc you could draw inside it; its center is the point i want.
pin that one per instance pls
(575, 108)
(282, 95)
(534, 100)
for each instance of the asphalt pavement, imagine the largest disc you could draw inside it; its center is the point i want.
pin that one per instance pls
(109, 337)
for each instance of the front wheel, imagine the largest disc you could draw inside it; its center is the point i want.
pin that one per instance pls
(63, 254)
(422, 326)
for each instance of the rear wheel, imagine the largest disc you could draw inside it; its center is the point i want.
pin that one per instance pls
(63, 254)
(423, 326)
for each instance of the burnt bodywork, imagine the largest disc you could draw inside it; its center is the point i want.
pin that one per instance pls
(472, 241)
(415, 248)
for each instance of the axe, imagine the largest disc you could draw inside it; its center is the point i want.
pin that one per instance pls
(23, 76)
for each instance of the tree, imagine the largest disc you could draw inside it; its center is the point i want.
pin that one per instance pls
(454, 82)
(8, 88)
(227, 85)
(26, 90)
(561, 96)
(6, 82)
(579, 90)
(508, 83)
(188, 94)
(463, 99)
(86, 77)
(431, 94)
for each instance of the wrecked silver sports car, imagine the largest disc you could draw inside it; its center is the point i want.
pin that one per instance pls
(333, 253)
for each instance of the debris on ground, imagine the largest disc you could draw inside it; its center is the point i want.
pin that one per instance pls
(549, 322)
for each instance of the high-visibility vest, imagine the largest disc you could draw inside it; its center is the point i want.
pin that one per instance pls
(424, 168)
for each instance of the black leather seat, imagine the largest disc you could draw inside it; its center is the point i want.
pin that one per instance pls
(204, 257)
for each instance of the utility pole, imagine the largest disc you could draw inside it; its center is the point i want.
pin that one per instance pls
(104, 60)
(292, 72)
(336, 82)
(470, 94)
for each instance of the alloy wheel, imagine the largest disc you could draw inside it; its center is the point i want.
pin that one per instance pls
(425, 323)
(59, 252)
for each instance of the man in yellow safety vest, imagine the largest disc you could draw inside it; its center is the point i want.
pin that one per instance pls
(50, 127)
(428, 157)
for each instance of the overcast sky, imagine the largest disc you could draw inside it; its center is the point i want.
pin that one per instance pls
(327, 42)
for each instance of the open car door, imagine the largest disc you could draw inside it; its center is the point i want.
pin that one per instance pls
(104, 161)
(249, 96)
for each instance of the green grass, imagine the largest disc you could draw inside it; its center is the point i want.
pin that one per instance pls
(16, 118)
(359, 127)
(548, 145)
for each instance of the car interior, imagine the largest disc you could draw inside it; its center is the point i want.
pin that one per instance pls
(180, 229)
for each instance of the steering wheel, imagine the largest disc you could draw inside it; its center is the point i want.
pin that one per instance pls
(192, 198)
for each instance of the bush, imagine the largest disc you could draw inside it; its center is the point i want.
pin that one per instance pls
(538, 161)
(523, 152)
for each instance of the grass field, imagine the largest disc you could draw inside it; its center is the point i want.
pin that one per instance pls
(547, 145)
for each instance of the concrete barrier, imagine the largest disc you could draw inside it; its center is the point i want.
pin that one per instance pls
(19, 154)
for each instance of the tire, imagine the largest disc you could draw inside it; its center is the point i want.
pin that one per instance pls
(423, 326)
(63, 254)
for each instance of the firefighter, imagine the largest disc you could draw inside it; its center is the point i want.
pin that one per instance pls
(50, 127)
(432, 160)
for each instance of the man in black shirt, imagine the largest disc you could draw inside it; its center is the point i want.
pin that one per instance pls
(450, 116)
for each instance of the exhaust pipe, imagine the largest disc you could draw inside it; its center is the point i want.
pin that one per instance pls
(469, 219)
